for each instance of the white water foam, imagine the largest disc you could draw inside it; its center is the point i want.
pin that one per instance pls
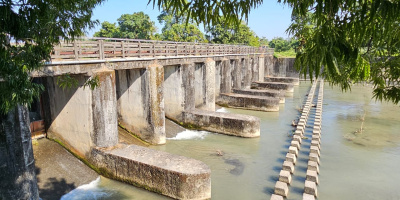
(224, 110)
(190, 135)
(87, 191)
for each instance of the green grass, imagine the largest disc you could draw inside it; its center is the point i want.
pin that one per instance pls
(285, 54)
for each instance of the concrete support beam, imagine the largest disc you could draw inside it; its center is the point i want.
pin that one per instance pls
(104, 104)
(266, 93)
(226, 79)
(255, 69)
(250, 102)
(236, 74)
(141, 102)
(261, 72)
(167, 174)
(17, 165)
(209, 85)
(288, 87)
(247, 73)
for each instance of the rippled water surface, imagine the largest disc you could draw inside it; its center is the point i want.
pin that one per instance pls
(354, 164)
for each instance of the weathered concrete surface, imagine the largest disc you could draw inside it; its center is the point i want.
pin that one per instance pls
(58, 171)
(288, 87)
(250, 102)
(104, 105)
(225, 123)
(171, 175)
(261, 72)
(204, 86)
(246, 73)
(281, 188)
(17, 165)
(226, 77)
(141, 102)
(267, 93)
(294, 81)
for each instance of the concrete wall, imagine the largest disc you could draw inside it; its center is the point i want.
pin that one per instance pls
(141, 102)
(281, 67)
(80, 117)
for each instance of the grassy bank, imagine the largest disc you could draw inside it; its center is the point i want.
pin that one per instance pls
(285, 54)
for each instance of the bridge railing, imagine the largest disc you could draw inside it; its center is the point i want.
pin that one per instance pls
(114, 48)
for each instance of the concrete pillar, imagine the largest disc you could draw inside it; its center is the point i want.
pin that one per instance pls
(248, 73)
(269, 65)
(17, 165)
(217, 78)
(209, 85)
(226, 80)
(188, 86)
(255, 69)
(261, 72)
(236, 74)
(104, 105)
(140, 97)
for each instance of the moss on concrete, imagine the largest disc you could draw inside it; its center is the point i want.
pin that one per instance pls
(133, 134)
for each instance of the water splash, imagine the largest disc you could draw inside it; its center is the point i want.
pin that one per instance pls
(190, 135)
(87, 191)
(224, 110)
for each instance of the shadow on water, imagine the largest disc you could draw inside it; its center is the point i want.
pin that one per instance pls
(303, 160)
(239, 166)
(297, 190)
(277, 169)
(54, 188)
(299, 179)
(302, 169)
(268, 190)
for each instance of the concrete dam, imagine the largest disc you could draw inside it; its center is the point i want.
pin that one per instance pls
(141, 83)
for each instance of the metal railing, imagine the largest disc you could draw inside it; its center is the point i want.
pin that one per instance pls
(112, 48)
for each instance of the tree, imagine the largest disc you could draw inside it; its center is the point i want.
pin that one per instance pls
(264, 41)
(177, 29)
(229, 34)
(108, 30)
(28, 31)
(352, 40)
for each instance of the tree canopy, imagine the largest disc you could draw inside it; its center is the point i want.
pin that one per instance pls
(28, 31)
(230, 34)
(133, 26)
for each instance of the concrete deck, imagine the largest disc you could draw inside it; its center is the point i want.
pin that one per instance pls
(164, 173)
(224, 123)
(265, 93)
(250, 102)
(288, 87)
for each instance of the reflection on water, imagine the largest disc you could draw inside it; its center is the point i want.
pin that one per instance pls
(354, 165)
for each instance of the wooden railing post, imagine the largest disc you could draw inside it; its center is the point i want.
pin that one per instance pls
(76, 51)
(101, 49)
(185, 47)
(176, 49)
(123, 49)
(140, 49)
(154, 49)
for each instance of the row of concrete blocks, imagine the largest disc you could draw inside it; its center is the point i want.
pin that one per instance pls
(281, 189)
(310, 186)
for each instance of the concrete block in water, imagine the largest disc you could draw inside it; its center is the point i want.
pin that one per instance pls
(288, 87)
(285, 176)
(295, 144)
(294, 81)
(312, 165)
(281, 188)
(316, 138)
(314, 149)
(265, 93)
(291, 158)
(302, 124)
(224, 123)
(171, 175)
(314, 157)
(288, 166)
(293, 150)
(276, 197)
(312, 175)
(298, 132)
(317, 124)
(317, 132)
(250, 102)
(316, 144)
(297, 138)
(308, 196)
(310, 187)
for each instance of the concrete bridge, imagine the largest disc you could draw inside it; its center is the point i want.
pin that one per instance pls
(142, 83)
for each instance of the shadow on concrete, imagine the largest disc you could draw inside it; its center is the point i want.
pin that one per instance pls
(54, 188)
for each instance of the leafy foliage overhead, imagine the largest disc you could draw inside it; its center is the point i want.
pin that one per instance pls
(28, 31)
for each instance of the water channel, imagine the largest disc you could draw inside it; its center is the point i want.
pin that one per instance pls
(354, 164)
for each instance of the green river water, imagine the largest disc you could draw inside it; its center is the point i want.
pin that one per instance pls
(354, 165)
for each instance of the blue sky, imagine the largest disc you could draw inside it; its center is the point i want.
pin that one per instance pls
(269, 20)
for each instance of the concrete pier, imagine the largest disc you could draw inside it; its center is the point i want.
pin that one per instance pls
(288, 87)
(250, 102)
(225, 123)
(294, 81)
(266, 93)
(171, 175)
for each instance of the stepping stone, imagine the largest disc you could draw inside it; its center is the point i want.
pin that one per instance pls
(288, 166)
(316, 132)
(291, 158)
(276, 197)
(313, 157)
(298, 132)
(312, 176)
(295, 144)
(301, 124)
(293, 150)
(300, 128)
(310, 188)
(308, 197)
(285, 176)
(281, 188)
(314, 149)
(316, 138)
(297, 138)
(302, 120)
(316, 144)
(317, 124)
(312, 165)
